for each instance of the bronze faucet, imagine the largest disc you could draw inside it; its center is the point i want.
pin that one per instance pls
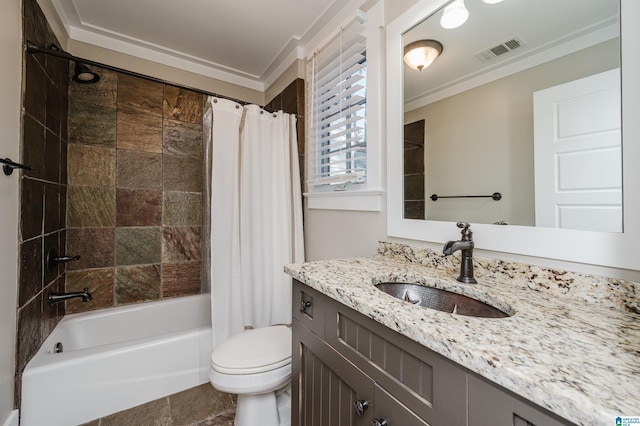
(61, 297)
(465, 245)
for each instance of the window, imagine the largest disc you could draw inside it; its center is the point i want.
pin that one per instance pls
(338, 152)
(340, 73)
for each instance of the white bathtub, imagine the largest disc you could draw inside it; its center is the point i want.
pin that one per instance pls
(117, 358)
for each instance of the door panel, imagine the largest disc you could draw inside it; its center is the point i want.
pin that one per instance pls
(578, 158)
(330, 384)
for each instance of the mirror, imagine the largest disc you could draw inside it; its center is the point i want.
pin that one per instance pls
(599, 247)
(475, 105)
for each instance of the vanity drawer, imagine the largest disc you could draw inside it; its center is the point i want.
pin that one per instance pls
(308, 307)
(427, 383)
(491, 405)
(393, 411)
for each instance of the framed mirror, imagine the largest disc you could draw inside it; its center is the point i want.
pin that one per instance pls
(478, 120)
(510, 68)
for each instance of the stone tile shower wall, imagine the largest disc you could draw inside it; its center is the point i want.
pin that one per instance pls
(42, 191)
(291, 101)
(135, 188)
(414, 185)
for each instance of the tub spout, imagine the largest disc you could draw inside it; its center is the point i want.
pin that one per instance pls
(61, 297)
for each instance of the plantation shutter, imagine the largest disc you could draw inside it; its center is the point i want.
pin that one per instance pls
(337, 152)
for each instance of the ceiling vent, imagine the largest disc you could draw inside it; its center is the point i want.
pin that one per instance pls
(499, 50)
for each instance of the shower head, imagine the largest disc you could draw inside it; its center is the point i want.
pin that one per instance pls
(83, 75)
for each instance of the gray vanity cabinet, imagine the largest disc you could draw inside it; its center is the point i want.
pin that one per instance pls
(490, 405)
(326, 385)
(343, 360)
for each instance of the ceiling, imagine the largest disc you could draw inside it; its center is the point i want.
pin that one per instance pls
(239, 41)
(251, 42)
(547, 28)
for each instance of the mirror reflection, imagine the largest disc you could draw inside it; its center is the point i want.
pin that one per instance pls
(523, 100)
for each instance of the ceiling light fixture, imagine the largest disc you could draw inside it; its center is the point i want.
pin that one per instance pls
(491, 1)
(454, 15)
(420, 54)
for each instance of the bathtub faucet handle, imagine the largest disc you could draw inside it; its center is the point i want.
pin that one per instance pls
(86, 296)
(64, 259)
(53, 258)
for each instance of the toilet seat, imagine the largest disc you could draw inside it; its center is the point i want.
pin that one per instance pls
(254, 364)
(253, 351)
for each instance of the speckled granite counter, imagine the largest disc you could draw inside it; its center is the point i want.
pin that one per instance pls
(573, 345)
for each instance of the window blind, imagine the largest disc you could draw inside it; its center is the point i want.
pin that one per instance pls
(337, 149)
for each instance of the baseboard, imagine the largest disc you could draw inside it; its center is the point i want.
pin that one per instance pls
(13, 418)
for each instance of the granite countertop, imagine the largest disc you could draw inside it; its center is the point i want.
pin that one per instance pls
(572, 347)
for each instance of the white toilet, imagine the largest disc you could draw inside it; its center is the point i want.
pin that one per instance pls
(255, 365)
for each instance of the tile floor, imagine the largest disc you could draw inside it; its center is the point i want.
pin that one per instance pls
(199, 406)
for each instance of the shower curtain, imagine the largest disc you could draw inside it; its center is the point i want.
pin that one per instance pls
(255, 215)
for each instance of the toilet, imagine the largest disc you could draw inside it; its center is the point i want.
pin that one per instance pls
(256, 365)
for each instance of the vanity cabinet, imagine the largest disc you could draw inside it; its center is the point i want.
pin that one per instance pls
(342, 359)
(490, 405)
(348, 369)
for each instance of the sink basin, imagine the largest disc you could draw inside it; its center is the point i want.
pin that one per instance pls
(441, 300)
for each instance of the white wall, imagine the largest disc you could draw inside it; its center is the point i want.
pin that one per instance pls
(395, 8)
(10, 101)
(333, 234)
(356, 233)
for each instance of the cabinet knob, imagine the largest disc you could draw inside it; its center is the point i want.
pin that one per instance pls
(379, 422)
(360, 406)
(304, 304)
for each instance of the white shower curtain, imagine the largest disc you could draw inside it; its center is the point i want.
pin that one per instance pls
(256, 216)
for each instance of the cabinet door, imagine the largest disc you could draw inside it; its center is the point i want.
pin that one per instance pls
(325, 385)
(490, 405)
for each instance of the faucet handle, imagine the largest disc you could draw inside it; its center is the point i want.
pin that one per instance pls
(466, 232)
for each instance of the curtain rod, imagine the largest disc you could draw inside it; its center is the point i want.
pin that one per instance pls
(54, 50)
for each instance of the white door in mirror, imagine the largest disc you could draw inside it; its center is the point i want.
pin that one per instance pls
(578, 159)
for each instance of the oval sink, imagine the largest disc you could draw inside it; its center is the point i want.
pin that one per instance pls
(441, 300)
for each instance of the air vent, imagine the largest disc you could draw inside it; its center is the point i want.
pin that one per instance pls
(502, 48)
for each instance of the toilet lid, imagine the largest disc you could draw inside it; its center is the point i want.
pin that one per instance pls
(254, 351)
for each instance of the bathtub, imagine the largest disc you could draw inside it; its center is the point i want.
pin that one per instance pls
(117, 358)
